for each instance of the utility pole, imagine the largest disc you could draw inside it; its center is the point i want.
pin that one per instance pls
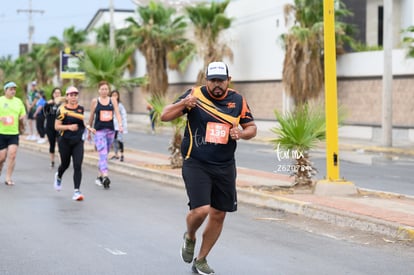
(332, 185)
(111, 25)
(30, 11)
(387, 76)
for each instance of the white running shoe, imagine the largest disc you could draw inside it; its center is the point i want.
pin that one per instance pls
(98, 181)
(77, 196)
(57, 183)
(41, 140)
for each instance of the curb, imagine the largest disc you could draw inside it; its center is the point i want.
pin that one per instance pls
(253, 197)
(378, 149)
(330, 215)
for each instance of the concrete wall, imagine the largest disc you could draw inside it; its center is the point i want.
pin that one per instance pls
(360, 97)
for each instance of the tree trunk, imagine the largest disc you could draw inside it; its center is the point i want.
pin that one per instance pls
(303, 171)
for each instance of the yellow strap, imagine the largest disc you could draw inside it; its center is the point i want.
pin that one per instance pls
(206, 104)
(190, 147)
(65, 112)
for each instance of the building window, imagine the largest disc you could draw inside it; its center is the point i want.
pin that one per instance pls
(380, 25)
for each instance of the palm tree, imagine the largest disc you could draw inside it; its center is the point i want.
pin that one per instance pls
(102, 34)
(7, 66)
(9, 71)
(53, 50)
(105, 63)
(298, 132)
(209, 20)
(41, 65)
(121, 43)
(155, 34)
(25, 70)
(73, 38)
(178, 124)
(302, 68)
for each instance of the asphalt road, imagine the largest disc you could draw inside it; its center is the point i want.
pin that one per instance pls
(136, 228)
(366, 170)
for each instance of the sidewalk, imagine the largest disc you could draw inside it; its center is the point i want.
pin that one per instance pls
(388, 214)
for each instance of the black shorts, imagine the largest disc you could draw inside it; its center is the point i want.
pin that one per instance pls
(208, 184)
(6, 140)
(31, 113)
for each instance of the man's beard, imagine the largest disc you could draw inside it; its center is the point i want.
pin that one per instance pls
(217, 92)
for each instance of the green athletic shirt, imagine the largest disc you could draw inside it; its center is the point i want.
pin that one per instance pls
(12, 109)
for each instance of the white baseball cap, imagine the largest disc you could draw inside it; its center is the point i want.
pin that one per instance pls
(10, 84)
(72, 90)
(217, 70)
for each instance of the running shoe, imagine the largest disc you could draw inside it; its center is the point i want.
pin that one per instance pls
(106, 182)
(201, 267)
(98, 181)
(77, 196)
(57, 183)
(122, 158)
(187, 250)
(41, 140)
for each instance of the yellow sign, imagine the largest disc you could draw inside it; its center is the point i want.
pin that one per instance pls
(69, 65)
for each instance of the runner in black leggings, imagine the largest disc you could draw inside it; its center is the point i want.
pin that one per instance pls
(70, 124)
(49, 111)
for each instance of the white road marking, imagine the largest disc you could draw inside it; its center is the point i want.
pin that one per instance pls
(115, 252)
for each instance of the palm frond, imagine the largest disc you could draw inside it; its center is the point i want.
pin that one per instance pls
(301, 129)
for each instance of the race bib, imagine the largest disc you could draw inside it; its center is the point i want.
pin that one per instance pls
(8, 120)
(217, 132)
(105, 115)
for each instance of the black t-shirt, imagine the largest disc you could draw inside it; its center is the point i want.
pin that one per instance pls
(71, 116)
(206, 136)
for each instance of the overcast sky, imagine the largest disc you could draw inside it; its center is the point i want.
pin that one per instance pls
(57, 15)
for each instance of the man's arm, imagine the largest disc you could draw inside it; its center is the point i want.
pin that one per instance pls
(175, 110)
(248, 131)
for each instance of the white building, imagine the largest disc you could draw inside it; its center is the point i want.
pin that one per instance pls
(258, 58)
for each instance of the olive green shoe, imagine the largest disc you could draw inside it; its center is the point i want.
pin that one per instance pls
(187, 250)
(201, 267)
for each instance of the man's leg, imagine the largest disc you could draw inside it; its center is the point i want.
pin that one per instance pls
(11, 160)
(195, 219)
(212, 231)
(3, 154)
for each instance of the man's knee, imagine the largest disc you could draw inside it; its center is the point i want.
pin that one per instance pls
(217, 215)
(201, 211)
(12, 152)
